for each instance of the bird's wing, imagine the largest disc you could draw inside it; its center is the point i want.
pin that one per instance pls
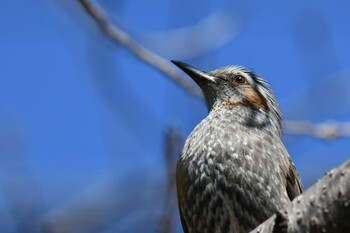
(183, 223)
(181, 185)
(294, 185)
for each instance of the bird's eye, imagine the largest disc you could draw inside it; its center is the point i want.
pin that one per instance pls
(239, 79)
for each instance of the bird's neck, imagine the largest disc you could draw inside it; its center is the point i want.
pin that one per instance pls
(243, 102)
(246, 114)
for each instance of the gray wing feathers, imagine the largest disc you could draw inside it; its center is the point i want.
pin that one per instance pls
(294, 185)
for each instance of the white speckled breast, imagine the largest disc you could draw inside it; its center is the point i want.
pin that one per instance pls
(229, 175)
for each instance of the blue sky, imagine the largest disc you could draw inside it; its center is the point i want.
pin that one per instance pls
(82, 109)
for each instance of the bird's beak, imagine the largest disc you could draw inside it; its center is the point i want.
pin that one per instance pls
(200, 77)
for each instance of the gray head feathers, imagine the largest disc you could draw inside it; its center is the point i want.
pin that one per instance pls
(231, 86)
(256, 82)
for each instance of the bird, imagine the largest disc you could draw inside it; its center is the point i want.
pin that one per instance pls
(234, 171)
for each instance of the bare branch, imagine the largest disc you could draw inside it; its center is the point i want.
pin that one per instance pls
(325, 207)
(18, 182)
(197, 39)
(328, 131)
(108, 202)
(121, 37)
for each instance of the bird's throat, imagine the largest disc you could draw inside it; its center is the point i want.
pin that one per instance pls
(245, 102)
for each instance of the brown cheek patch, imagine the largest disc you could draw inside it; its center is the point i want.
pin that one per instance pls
(230, 105)
(254, 99)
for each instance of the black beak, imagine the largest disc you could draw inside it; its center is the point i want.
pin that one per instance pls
(200, 77)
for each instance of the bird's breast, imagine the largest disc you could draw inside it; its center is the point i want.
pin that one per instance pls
(223, 179)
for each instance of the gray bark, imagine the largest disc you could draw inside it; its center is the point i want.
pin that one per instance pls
(324, 207)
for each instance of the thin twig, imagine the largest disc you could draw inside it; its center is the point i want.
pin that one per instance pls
(121, 37)
(327, 131)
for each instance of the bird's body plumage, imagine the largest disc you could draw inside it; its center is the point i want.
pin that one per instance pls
(234, 171)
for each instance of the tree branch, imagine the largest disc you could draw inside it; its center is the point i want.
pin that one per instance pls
(197, 39)
(118, 35)
(327, 131)
(325, 207)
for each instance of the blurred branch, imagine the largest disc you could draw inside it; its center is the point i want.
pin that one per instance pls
(323, 131)
(325, 207)
(17, 179)
(174, 141)
(134, 194)
(327, 131)
(197, 39)
(122, 38)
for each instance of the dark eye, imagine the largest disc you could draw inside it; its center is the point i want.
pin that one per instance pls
(239, 79)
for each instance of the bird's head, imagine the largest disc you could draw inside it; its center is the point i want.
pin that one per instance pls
(232, 86)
